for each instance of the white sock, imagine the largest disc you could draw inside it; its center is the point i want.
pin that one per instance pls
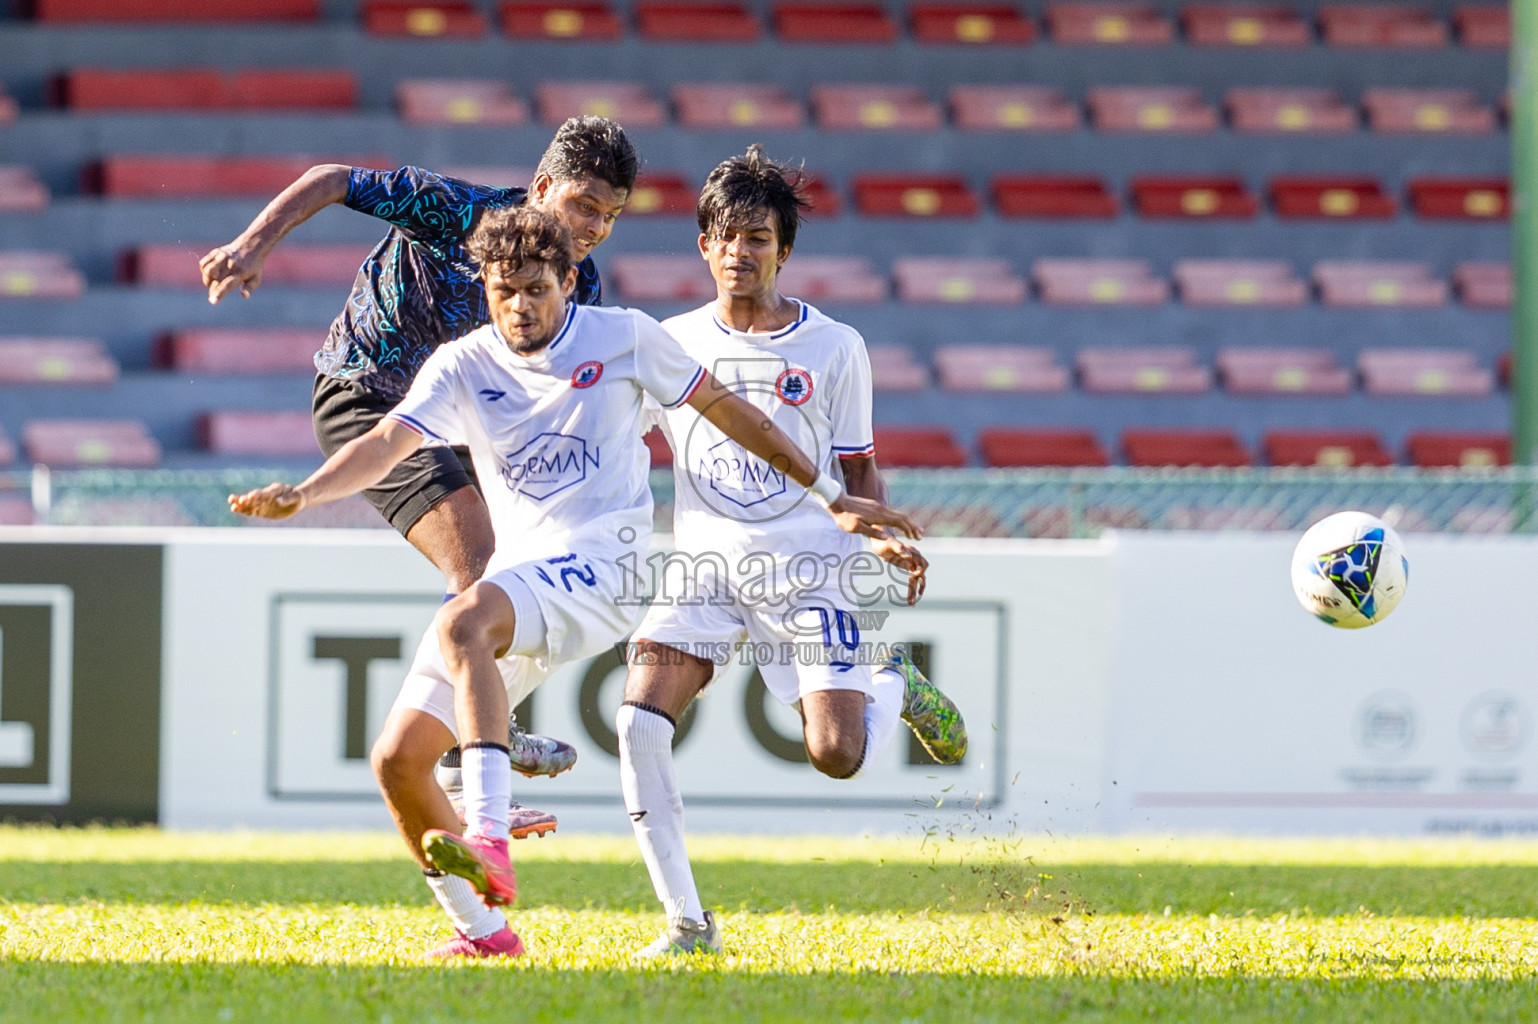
(882, 713)
(458, 898)
(488, 782)
(656, 808)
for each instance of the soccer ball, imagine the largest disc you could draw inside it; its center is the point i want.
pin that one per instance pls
(1350, 570)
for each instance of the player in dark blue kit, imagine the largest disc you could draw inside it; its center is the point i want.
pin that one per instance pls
(418, 289)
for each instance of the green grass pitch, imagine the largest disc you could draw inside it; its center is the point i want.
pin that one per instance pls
(139, 925)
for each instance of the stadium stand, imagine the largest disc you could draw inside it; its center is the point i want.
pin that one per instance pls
(1454, 111)
(833, 279)
(257, 433)
(1356, 283)
(821, 21)
(425, 101)
(8, 108)
(1052, 196)
(714, 21)
(990, 281)
(554, 19)
(295, 265)
(1305, 111)
(893, 368)
(252, 89)
(1372, 24)
(1273, 371)
(1330, 197)
(1108, 24)
(1460, 198)
(39, 275)
(1006, 446)
(200, 177)
(631, 103)
(27, 361)
(77, 443)
(1098, 282)
(1017, 368)
(125, 11)
(8, 511)
(1177, 109)
(970, 24)
(914, 195)
(661, 193)
(427, 19)
(1142, 371)
(988, 108)
(1483, 285)
(20, 191)
(675, 278)
(924, 447)
(658, 449)
(233, 350)
(1328, 449)
(1244, 25)
(1216, 197)
(1435, 449)
(1424, 372)
(1484, 25)
(714, 105)
(874, 107)
(1239, 283)
(1183, 448)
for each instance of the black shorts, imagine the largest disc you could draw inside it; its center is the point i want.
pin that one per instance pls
(343, 410)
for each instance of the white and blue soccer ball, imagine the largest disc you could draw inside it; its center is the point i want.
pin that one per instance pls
(1350, 570)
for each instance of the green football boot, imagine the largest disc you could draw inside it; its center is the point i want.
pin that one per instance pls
(929, 713)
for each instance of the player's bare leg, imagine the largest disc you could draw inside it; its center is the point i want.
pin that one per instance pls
(403, 758)
(834, 728)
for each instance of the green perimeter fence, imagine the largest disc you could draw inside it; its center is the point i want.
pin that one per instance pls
(968, 503)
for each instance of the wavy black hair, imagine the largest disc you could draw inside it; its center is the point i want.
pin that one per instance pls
(509, 237)
(593, 146)
(743, 186)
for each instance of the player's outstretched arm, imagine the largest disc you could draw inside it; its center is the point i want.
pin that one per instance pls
(239, 263)
(357, 465)
(863, 480)
(740, 421)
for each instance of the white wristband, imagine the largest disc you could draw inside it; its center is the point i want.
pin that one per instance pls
(826, 489)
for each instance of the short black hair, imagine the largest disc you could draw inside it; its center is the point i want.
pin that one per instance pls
(511, 236)
(744, 185)
(593, 146)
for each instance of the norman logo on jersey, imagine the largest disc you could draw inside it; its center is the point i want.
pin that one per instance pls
(794, 386)
(548, 464)
(739, 477)
(586, 375)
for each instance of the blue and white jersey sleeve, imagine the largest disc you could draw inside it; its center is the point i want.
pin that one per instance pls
(849, 406)
(430, 407)
(428, 206)
(664, 370)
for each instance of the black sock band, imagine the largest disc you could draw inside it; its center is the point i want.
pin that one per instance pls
(434, 873)
(654, 709)
(486, 745)
(864, 749)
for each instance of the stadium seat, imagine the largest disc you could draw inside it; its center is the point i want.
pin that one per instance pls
(831, 21)
(1244, 25)
(20, 191)
(1482, 285)
(251, 89)
(56, 361)
(822, 198)
(1146, 371)
(1137, 108)
(1329, 449)
(1381, 24)
(1305, 111)
(661, 194)
(832, 279)
(1036, 196)
(1328, 197)
(203, 177)
(1018, 368)
(657, 447)
(713, 21)
(8, 511)
(1281, 371)
(73, 443)
(1437, 449)
(716, 105)
(1367, 283)
(958, 280)
(923, 447)
(1431, 372)
(662, 278)
(227, 432)
(1183, 448)
(1108, 24)
(1010, 446)
(913, 195)
(1027, 108)
(1483, 26)
(293, 265)
(1239, 283)
(233, 350)
(1098, 282)
(875, 107)
(893, 368)
(627, 102)
(971, 23)
(175, 10)
(1199, 198)
(39, 275)
(552, 19)
(424, 19)
(1450, 111)
(1461, 198)
(8, 108)
(458, 101)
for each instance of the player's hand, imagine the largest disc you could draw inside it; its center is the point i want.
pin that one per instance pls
(275, 501)
(907, 558)
(228, 268)
(870, 518)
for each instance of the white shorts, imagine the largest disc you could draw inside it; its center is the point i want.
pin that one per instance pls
(566, 608)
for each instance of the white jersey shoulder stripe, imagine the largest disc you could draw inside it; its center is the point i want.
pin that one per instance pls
(694, 385)
(415, 425)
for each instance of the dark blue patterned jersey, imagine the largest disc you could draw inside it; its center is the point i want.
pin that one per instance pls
(419, 287)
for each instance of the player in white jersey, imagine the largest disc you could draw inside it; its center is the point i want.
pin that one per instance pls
(755, 560)
(548, 398)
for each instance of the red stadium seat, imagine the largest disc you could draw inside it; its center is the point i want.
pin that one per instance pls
(227, 432)
(1329, 197)
(1437, 449)
(206, 89)
(423, 19)
(1244, 25)
(1305, 111)
(958, 280)
(658, 449)
(1239, 283)
(176, 10)
(662, 194)
(261, 89)
(1381, 24)
(716, 105)
(1010, 446)
(1435, 111)
(20, 191)
(1183, 448)
(200, 177)
(832, 279)
(1329, 449)
(1098, 282)
(294, 265)
(12, 512)
(893, 368)
(914, 195)
(1200, 198)
(1430, 372)
(8, 109)
(459, 101)
(926, 447)
(971, 24)
(1142, 371)
(714, 21)
(831, 21)
(39, 275)
(1484, 26)
(1037, 196)
(83, 443)
(1012, 108)
(1461, 198)
(875, 107)
(1016, 368)
(1109, 24)
(240, 351)
(627, 102)
(662, 278)
(1151, 109)
(1483, 285)
(1368, 283)
(1280, 371)
(56, 361)
(552, 19)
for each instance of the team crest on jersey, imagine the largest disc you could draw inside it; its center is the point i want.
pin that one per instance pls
(793, 386)
(586, 375)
